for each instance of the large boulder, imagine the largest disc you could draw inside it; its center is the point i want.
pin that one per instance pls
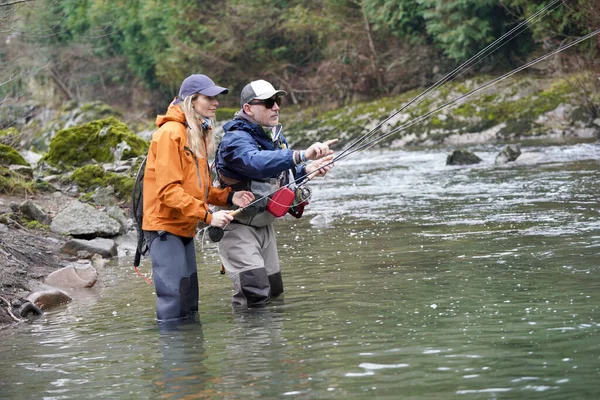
(104, 141)
(82, 220)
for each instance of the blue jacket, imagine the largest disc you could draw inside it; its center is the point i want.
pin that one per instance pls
(248, 153)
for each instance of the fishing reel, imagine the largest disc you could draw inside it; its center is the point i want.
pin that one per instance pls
(215, 234)
(303, 194)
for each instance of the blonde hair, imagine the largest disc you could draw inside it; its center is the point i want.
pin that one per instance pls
(199, 138)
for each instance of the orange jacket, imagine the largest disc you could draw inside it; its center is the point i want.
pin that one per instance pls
(177, 184)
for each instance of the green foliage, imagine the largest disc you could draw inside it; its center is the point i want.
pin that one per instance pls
(318, 50)
(568, 19)
(401, 18)
(463, 27)
(95, 141)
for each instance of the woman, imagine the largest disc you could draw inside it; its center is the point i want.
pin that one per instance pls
(177, 191)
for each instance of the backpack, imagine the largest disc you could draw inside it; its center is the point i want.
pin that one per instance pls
(137, 211)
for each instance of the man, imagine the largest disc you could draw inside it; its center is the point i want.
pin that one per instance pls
(254, 155)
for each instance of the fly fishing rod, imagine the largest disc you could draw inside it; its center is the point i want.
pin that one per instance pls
(491, 48)
(217, 233)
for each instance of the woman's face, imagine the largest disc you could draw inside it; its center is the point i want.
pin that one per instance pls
(205, 105)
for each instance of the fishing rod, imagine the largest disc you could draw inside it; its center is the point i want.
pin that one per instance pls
(217, 233)
(459, 70)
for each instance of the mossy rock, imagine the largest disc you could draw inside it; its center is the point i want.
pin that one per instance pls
(513, 106)
(89, 177)
(224, 114)
(10, 156)
(97, 141)
(15, 184)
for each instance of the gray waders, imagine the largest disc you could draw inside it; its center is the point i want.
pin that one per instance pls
(175, 276)
(249, 255)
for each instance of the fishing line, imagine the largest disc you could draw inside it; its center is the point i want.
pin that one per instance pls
(412, 122)
(303, 180)
(488, 50)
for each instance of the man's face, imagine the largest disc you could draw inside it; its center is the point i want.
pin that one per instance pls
(265, 112)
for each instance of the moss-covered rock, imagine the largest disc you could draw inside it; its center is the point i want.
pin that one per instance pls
(10, 156)
(98, 141)
(15, 184)
(90, 177)
(514, 108)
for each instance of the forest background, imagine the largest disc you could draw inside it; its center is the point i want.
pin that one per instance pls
(134, 54)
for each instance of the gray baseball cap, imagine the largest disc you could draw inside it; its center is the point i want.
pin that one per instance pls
(199, 83)
(259, 89)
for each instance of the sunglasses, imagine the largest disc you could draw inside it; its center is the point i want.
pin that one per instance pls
(268, 103)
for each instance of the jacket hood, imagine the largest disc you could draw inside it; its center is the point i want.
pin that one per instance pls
(174, 113)
(239, 121)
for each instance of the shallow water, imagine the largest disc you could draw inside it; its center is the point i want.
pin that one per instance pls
(406, 279)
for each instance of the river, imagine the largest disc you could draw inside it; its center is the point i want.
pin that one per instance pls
(406, 279)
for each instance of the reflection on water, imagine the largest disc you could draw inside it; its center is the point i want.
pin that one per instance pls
(406, 279)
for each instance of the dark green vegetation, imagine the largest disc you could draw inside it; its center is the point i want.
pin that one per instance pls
(329, 53)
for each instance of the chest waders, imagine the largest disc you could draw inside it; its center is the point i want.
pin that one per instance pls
(175, 271)
(175, 276)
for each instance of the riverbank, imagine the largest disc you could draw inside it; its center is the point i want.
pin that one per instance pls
(29, 253)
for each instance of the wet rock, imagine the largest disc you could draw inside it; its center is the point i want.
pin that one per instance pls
(510, 153)
(104, 247)
(462, 157)
(73, 277)
(28, 310)
(84, 221)
(48, 299)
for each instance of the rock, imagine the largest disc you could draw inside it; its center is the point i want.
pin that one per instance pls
(28, 309)
(84, 221)
(98, 262)
(22, 170)
(104, 247)
(510, 153)
(34, 212)
(48, 299)
(462, 157)
(73, 277)
(118, 214)
(31, 157)
(104, 196)
(84, 254)
(77, 145)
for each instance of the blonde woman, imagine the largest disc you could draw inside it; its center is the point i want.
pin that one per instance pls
(177, 192)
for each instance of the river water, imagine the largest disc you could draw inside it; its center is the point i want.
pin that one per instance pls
(405, 279)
